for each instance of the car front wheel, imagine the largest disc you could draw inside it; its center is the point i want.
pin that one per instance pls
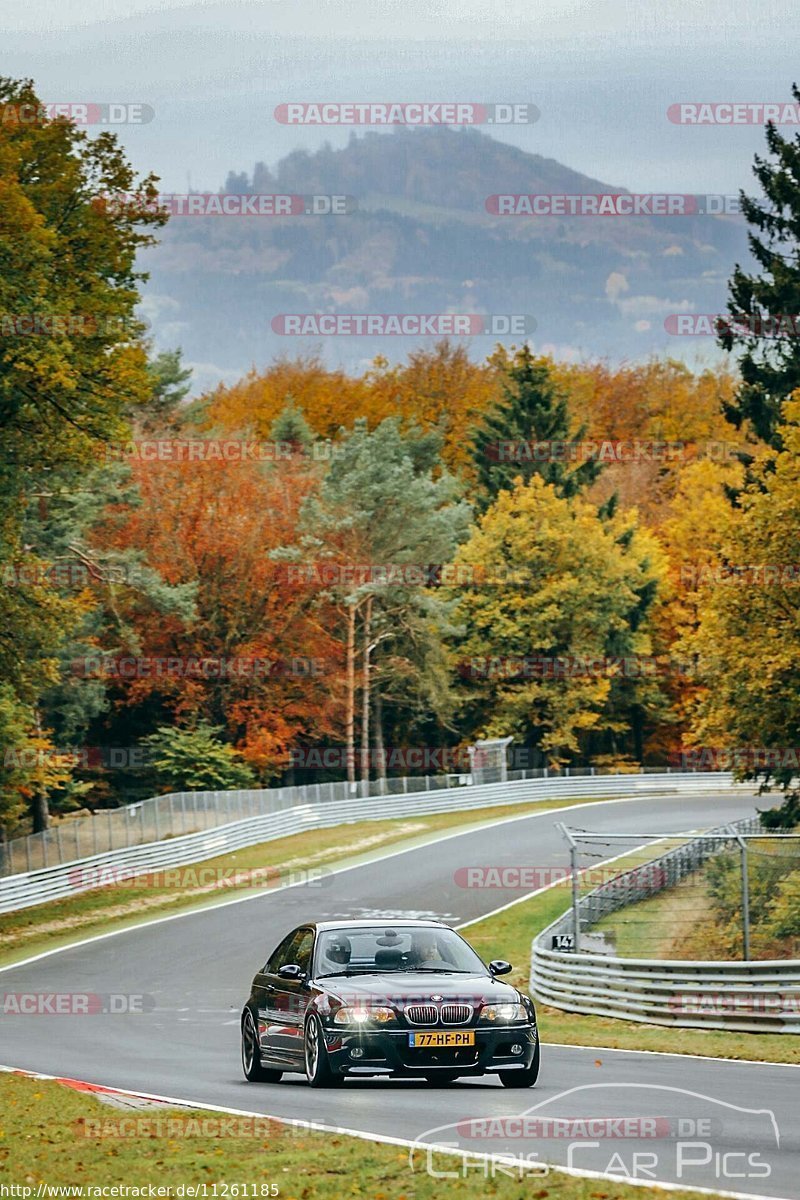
(254, 1072)
(522, 1079)
(318, 1067)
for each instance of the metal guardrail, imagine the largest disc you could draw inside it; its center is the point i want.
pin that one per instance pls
(178, 813)
(267, 815)
(749, 997)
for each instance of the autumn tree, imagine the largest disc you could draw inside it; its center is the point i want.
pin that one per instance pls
(72, 363)
(748, 641)
(440, 390)
(208, 527)
(385, 514)
(550, 588)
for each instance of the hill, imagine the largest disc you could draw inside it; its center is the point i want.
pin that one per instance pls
(422, 241)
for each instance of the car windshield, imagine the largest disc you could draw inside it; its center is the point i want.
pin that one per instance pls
(394, 948)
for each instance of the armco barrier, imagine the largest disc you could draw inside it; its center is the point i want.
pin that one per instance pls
(177, 813)
(750, 997)
(28, 888)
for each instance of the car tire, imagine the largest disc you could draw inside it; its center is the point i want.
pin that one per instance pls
(318, 1067)
(254, 1072)
(522, 1079)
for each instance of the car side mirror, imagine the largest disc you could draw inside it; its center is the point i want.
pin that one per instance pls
(291, 971)
(499, 966)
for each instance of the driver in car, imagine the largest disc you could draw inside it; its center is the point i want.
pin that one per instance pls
(426, 951)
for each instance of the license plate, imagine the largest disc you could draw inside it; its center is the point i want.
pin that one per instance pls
(436, 1037)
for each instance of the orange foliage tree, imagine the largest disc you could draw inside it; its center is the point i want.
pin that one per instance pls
(274, 669)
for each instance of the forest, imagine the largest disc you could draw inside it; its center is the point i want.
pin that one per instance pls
(312, 574)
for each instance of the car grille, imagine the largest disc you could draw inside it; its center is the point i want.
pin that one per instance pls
(428, 1014)
(422, 1014)
(456, 1014)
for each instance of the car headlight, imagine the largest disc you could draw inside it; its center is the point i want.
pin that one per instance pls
(503, 1013)
(376, 1014)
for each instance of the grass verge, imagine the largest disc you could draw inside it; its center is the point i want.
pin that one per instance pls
(701, 917)
(43, 1140)
(116, 906)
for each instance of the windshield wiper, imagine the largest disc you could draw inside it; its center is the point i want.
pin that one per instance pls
(342, 974)
(436, 971)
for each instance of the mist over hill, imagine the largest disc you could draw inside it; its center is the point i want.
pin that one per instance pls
(422, 241)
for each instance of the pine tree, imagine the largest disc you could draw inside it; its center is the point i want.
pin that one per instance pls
(769, 365)
(291, 426)
(532, 410)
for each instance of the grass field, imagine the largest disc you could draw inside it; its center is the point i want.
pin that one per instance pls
(49, 1136)
(687, 922)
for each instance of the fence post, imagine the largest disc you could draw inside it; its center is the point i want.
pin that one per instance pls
(745, 893)
(58, 843)
(573, 862)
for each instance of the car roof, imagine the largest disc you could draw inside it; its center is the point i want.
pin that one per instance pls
(371, 923)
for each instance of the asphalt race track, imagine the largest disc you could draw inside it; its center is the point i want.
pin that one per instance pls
(723, 1125)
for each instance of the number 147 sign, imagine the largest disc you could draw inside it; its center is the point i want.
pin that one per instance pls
(563, 941)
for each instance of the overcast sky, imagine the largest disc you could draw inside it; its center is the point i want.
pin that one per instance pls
(602, 73)
(649, 19)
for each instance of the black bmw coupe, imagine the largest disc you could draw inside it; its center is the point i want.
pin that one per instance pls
(404, 998)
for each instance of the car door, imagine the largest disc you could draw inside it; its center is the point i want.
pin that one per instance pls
(291, 998)
(270, 1016)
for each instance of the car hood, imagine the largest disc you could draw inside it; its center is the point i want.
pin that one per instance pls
(418, 986)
